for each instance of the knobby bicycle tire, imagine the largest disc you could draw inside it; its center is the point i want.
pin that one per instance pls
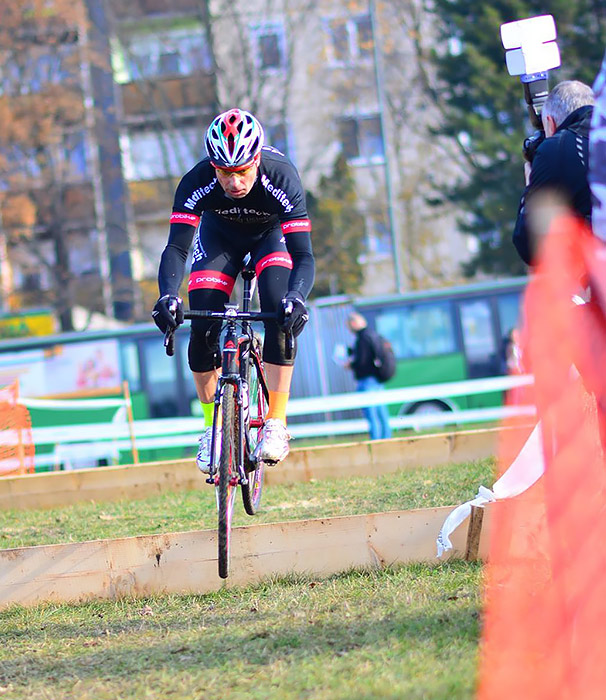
(226, 484)
(257, 408)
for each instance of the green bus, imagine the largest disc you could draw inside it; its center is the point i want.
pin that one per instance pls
(439, 335)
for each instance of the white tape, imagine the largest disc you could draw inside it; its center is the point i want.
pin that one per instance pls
(523, 472)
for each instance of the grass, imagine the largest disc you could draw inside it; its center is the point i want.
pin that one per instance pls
(176, 512)
(405, 632)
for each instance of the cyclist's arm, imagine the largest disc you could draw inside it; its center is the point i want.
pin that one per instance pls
(174, 257)
(297, 234)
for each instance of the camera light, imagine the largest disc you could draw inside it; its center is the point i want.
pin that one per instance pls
(530, 45)
(533, 30)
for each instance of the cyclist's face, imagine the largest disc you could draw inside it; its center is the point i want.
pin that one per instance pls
(239, 183)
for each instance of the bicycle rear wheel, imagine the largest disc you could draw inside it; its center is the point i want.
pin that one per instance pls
(227, 478)
(257, 403)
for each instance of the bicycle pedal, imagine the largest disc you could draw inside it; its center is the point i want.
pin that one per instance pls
(211, 480)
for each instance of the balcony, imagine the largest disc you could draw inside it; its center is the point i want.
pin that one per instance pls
(152, 199)
(38, 208)
(145, 9)
(143, 99)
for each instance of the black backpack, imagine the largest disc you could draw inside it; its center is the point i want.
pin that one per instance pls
(385, 358)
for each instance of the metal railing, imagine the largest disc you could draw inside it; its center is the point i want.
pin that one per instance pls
(72, 440)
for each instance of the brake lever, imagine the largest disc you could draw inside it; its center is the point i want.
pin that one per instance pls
(169, 336)
(169, 341)
(289, 349)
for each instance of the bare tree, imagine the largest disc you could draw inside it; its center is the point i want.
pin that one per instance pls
(406, 36)
(46, 201)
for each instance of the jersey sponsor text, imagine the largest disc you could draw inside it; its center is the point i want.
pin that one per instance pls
(296, 225)
(279, 194)
(274, 259)
(197, 195)
(209, 279)
(179, 217)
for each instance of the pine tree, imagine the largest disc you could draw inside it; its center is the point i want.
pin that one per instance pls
(338, 233)
(485, 112)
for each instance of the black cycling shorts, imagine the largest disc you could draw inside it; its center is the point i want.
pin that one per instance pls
(217, 260)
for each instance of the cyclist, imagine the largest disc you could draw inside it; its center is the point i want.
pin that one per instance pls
(243, 197)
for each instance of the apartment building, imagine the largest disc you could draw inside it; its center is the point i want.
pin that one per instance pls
(324, 78)
(64, 223)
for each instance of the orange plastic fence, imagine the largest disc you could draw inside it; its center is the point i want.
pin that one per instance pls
(545, 596)
(16, 441)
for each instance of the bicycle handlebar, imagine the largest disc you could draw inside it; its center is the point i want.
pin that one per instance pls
(169, 335)
(238, 315)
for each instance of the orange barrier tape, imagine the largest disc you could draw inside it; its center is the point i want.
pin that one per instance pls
(16, 442)
(545, 603)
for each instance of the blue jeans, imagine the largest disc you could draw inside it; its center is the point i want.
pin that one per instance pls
(377, 416)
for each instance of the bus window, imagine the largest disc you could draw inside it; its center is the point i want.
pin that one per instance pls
(191, 398)
(478, 338)
(419, 330)
(130, 365)
(162, 386)
(508, 308)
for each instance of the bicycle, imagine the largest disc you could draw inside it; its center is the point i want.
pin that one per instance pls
(241, 399)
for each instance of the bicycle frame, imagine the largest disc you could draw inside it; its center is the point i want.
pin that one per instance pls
(236, 347)
(229, 466)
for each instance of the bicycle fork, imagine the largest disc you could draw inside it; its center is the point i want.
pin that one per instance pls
(241, 388)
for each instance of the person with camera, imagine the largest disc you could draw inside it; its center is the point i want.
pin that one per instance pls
(557, 159)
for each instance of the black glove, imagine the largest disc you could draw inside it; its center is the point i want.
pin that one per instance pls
(168, 312)
(293, 315)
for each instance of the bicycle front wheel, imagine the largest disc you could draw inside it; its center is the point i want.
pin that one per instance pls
(227, 478)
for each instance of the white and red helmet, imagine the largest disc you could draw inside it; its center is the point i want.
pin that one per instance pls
(233, 139)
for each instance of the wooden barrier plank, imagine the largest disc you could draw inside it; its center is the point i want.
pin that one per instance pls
(53, 489)
(384, 456)
(474, 533)
(186, 562)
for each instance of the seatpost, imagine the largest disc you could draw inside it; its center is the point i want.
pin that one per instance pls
(248, 275)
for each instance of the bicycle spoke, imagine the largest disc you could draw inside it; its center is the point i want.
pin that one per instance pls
(257, 408)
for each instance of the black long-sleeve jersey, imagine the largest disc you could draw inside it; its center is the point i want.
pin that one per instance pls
(276, 199)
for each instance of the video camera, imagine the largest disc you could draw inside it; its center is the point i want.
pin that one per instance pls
(531, 51)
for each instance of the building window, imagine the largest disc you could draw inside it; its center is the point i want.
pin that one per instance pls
(378, 239)
(269, 46)
(34, 70)
(169, 63)
(362, 139)
(20, 162)
(149, 155)
(74, 155)
(350, 40)
(172, 52)
(63, 162)
(276, 136)
(81, 262)
(31, 278)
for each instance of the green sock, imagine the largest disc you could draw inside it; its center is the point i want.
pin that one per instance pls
(208, 411)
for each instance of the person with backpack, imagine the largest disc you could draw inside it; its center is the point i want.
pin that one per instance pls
(370, 364)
